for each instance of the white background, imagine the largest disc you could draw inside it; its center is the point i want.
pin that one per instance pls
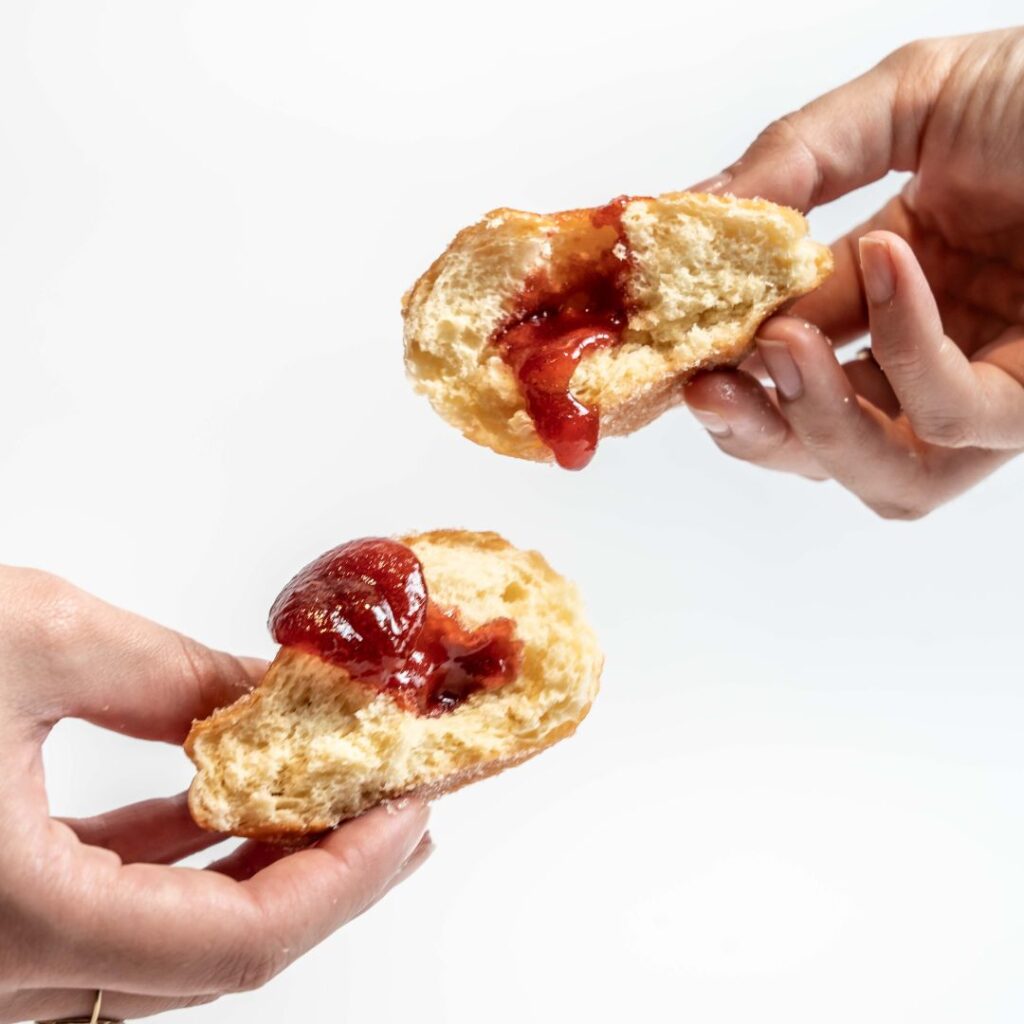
(799, 798)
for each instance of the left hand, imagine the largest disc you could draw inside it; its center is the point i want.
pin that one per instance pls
(94, 903)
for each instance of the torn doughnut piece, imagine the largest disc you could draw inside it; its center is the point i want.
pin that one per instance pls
(407, 666)
(536, 335)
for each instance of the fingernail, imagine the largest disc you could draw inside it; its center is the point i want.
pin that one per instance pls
(416, 859)
(418, 814)
(782, 368)
(877, 270)
(711, 422)
(712, 184)
(425, 844)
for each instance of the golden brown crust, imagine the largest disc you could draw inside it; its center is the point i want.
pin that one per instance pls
(481, 540)
(477, 740)
(313, 827)
(453, 310)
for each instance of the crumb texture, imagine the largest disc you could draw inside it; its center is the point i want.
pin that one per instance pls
(309, 747)
(704, 272)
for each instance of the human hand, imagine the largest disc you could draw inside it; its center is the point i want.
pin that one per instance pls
(937, 276)
(91, 903)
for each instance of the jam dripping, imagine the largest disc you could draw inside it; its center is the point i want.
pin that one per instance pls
(365, 607)
(556, 324)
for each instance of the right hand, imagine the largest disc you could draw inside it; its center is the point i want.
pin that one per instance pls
(937, 276)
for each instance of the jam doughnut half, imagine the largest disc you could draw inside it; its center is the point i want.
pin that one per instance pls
(536, 335)
(407, 666)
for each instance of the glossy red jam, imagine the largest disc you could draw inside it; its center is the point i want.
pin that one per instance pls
(364, 606)
(555, 326)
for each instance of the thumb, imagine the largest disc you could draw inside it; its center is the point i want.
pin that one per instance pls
(847, 138)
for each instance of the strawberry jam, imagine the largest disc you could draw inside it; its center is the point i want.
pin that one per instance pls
(555, 326)
(365, 607)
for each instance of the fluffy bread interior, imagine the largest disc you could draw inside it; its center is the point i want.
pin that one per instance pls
(703, 272)
(309, 747)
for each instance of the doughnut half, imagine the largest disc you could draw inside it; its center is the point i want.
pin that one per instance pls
(310, 747)
(700, 273)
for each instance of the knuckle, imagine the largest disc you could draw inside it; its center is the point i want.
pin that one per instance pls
(897, 511)
(784, 134)
(920, 67)
(807, 167)
(197, 662)
(945, 431)
(912, 53)
(252, 972)
(205, 669)
(909, 499)
(779, 130)
(899, 361)
(920, 58)
(823, 436)
(252, 968)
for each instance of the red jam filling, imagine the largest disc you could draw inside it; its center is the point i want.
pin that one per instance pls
(365, 607)
(555, 326)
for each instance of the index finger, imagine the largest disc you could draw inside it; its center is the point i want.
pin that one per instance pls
(87, 659)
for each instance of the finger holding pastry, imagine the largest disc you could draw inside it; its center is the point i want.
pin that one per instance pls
(936, 277)
(820, 421)
(949, 400)
(97, 902)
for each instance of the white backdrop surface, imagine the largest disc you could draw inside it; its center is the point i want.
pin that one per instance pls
(799, 797)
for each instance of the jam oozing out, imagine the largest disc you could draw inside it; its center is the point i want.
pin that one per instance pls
(365, 606)
(555, 326)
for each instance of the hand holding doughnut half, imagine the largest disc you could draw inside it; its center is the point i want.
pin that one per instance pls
(95, 902)
(936, 276)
